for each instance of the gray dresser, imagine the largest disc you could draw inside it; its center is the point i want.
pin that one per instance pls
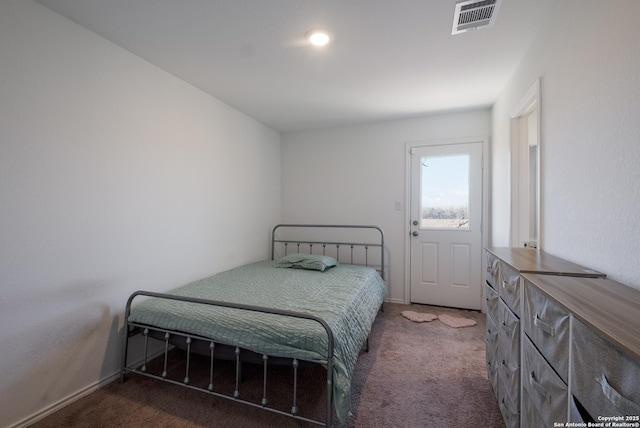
(515, 335)
(587, 351)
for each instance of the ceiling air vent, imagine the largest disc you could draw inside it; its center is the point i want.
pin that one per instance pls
(474, 14)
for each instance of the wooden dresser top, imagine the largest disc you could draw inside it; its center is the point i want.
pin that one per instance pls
(611, 309)
(529, 260)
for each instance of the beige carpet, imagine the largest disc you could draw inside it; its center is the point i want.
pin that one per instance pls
(415, 375)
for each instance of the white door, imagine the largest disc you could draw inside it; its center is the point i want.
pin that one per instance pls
(446, 225)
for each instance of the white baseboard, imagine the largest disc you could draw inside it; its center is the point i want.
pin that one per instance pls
(49, 410)
(43, 413)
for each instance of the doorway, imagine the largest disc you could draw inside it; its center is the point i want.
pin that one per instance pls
(446, 212)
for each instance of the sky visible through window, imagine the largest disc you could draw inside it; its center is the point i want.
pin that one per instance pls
(445, 191)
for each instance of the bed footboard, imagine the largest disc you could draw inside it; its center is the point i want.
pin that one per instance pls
(167, 336)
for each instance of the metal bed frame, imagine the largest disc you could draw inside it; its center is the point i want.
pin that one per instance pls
(229, 351)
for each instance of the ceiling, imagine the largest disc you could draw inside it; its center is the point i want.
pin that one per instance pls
(388, 60)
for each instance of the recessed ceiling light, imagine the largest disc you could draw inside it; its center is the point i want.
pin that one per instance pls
(319, 37)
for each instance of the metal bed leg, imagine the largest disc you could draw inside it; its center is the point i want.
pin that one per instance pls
(146, 347)
(125, 346)
(265, 357)
(186, 376)
(329, 417)
(166, 354)
(236, 393)
(294, 408)
(212, 346)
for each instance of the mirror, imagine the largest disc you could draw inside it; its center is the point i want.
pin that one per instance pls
(533, 196)
(525, 171)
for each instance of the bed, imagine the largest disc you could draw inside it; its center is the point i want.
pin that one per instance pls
(313, 302)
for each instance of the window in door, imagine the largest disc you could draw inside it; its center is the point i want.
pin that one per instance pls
(445, 192)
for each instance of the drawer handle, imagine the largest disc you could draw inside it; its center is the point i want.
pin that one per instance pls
(511, 369)
(544, 326)
(508, 329)
(505, 404)
(615, 397)
(505, 284)
(538, 387)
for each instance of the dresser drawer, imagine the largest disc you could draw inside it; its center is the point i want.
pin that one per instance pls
(546, 393)
(531, 418)
(577, 413)
(509, 333)
(492, 368)
(492, 275)
(491, 300)
(491, 338)
(509, 381)
(510, 412)
(547, 325)
(491, 351)
(492, 373)
(509, 287)
(604, 379)
(509, 356)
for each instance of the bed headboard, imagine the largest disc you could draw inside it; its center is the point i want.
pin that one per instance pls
(352, 244)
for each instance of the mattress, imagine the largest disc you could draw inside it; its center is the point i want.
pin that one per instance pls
(346, 297)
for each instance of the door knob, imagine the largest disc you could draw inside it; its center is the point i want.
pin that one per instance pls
(414, 233)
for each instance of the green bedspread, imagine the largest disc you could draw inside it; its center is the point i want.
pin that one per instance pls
(347, 297)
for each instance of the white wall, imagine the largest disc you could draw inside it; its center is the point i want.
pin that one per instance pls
(356, 174)
(588, 61)
(114, 176)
